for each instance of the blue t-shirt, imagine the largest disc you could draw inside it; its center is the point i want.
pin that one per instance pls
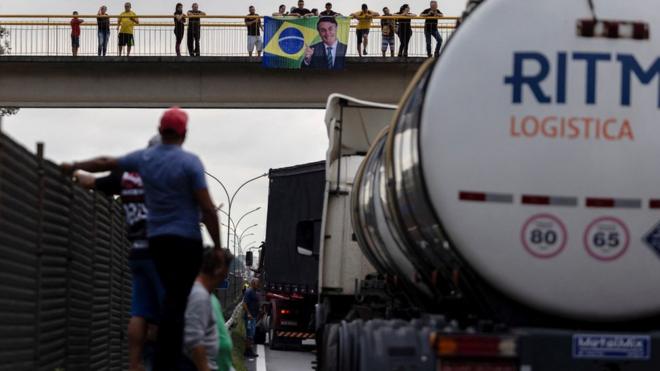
(170, 176)
(252, 301)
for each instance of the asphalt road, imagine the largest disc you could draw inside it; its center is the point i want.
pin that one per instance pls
(277, 360)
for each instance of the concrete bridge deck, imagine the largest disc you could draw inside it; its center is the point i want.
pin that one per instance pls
(204, 82)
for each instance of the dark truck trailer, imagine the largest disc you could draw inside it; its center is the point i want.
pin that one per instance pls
(295, 198)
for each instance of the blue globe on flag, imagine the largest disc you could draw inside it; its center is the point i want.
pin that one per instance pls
(291, 40)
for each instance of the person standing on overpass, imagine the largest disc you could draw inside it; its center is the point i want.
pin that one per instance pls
(103, 32)
(364, 17)
(431, 28)
(328, 12)
(176, 195)
(127, 21)
(254, 27)
(179, 27)
(75, 33)
(194, 30)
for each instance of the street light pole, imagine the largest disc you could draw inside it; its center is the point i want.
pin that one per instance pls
(235, 225)
(240, 239)
(231, 199)
(245, 230)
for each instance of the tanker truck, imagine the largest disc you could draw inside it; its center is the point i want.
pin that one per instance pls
(505, 215)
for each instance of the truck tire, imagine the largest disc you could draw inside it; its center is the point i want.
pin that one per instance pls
(260, 335)
(271, 339)
(328, 355)
(271, 334)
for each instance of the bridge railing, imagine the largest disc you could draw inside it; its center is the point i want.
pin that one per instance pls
(50, 35)
(65, 290)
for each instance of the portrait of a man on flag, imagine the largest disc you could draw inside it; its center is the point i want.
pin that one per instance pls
(305, 43)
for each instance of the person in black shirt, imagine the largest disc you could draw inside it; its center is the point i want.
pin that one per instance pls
(179, 26)
(194, 30)
(404, 31)
(103, 24)
(431, 28)
(147, 289)
(328, 12)
(300, 11)
(254, 28)
(281, 11)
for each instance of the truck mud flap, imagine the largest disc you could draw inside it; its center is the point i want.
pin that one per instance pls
(292, 339)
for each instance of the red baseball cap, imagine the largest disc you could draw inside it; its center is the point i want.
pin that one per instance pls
(174, 119)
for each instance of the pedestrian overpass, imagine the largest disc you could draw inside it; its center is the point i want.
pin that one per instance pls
(204, 82)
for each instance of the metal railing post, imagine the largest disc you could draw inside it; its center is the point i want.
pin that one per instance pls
(48, 37)
(39, 250)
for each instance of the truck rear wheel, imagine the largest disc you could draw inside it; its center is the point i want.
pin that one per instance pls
(271, 333)
(328, 354)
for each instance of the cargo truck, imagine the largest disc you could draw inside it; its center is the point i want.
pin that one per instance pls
(290, 278)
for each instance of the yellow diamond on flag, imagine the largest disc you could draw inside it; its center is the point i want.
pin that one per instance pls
(290, 39)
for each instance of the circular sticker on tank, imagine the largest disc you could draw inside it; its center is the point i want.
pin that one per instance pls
(543, 236)
(606, 238)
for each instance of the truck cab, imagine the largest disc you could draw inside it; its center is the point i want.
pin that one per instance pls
(352, 126)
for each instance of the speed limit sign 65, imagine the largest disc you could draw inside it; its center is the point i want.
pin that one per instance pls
(606, 238)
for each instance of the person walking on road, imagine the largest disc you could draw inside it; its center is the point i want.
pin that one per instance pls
(176, 196)
(179, 27)
(194, 30)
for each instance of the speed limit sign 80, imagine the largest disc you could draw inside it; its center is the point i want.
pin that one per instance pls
(543, 236)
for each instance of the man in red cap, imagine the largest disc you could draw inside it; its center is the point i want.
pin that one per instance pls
(176, 194)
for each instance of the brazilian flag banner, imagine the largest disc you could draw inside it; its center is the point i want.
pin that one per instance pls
(305, 43)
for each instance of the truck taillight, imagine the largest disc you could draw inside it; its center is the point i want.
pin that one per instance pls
(284, 311)
(474, 346)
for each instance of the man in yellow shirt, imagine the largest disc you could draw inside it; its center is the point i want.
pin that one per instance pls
(364, 18)
(127, 20)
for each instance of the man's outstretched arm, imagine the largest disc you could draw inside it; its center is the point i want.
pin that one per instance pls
(94, 165)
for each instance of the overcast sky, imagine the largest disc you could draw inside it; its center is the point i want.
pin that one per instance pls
(216, 7)
(234, 145)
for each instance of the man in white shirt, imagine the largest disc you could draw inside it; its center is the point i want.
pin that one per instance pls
(200, 339)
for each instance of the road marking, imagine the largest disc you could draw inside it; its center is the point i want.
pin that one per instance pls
(261, 360)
